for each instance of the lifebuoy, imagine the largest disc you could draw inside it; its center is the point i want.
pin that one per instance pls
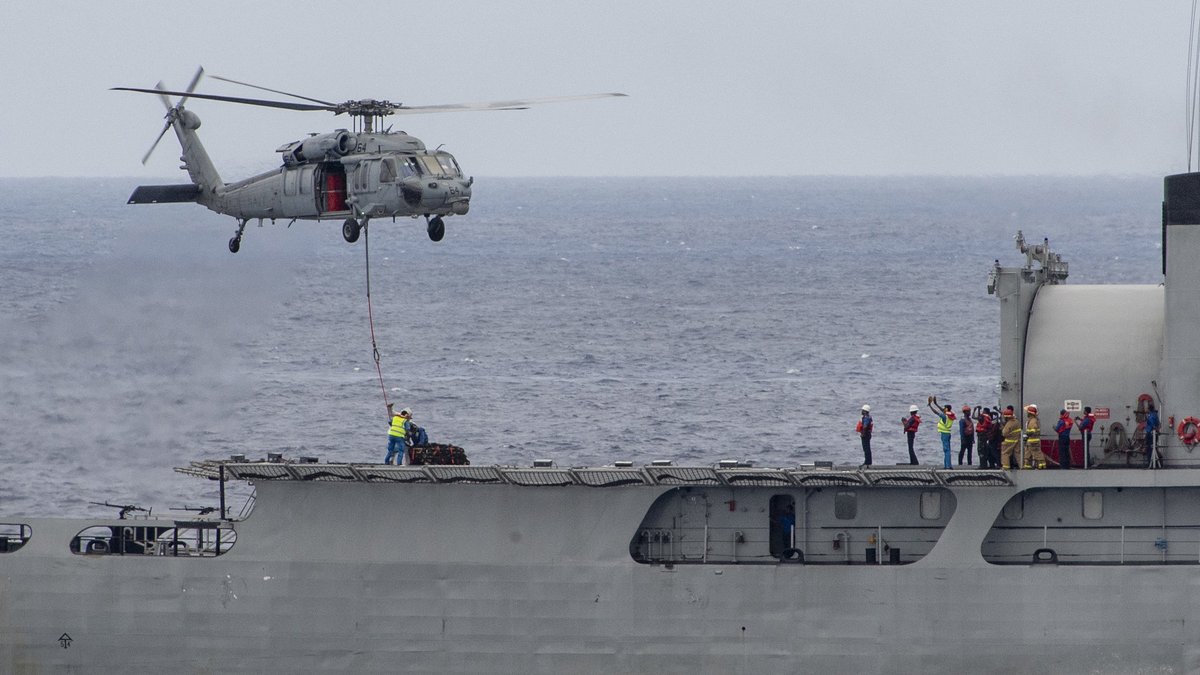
(1189, 431)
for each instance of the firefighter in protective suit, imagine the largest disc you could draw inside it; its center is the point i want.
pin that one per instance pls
(1012, 438)
(1033, 439)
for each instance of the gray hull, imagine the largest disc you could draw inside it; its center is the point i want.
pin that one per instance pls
(349, 577)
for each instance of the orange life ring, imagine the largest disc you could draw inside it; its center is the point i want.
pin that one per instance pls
(1189, 431)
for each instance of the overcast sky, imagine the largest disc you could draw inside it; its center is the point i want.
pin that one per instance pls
(716, 88)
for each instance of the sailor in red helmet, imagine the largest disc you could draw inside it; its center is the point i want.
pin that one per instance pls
(1063, 428)
(966, 436)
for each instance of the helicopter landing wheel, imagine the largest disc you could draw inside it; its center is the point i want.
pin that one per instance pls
(235, 243)
(350, 230)
(436, 229)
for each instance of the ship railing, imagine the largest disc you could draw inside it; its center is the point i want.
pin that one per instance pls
(606, 476)
(1095, 544)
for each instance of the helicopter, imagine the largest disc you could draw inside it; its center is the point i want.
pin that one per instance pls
(352, 175)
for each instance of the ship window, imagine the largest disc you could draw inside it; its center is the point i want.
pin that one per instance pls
(931, 505)
(13, 536)
(198, 539)
(1093, 504)
(387, 170)
(845, 505)
(1015, 508)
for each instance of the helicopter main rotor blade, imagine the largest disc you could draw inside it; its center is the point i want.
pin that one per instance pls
(518, 104)
(273, 91)
(195, 81)
(287, 105)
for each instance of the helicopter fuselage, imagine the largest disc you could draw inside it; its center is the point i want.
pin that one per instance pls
(340, 175)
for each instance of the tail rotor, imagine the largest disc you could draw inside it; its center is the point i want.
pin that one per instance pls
(172, 110)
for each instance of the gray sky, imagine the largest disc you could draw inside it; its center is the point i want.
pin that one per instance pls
(716, 88)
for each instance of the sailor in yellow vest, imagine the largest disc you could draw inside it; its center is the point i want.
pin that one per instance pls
(398, 435)
(1033, 439)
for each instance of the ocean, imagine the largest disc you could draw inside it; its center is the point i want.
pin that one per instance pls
(582, 320)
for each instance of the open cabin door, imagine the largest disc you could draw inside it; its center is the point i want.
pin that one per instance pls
(331, 188)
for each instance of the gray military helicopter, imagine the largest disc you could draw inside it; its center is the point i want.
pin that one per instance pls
(352, 175)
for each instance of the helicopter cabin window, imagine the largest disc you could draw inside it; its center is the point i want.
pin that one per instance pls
(306, 180)
(387, 170)
(409, 167)
(290, 180)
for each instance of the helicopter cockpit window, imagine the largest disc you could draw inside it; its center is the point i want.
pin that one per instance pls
(431, 165)
(449, 166)
(387, 170)
(409, 167)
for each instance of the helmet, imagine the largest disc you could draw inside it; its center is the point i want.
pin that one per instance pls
(913, 408)
(866, 408)
(966, 408)
(406, 411)
(1031, 408)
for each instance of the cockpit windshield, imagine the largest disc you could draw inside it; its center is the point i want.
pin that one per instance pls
(440, 164)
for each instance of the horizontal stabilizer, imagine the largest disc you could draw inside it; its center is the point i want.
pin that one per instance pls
(163, 194)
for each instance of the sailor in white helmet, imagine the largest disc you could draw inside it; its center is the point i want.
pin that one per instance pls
(910, 430)
(397, 434)
(865, 426)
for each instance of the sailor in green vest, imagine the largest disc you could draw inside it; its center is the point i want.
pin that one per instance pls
(398, 434)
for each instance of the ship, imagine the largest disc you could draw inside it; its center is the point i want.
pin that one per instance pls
(728, 568)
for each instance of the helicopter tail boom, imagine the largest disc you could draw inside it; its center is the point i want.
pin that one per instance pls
(164, 194)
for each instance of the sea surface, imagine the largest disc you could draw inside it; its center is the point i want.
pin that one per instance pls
(579, 320)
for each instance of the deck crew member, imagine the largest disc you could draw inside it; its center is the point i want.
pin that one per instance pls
(983, 431)
(1033, 439)
(966, 436)
(945, 427)
(996, 437)
(1086, 424)
(864, 428)
(398, 434)
(1152, 425)
(910, 430)
(1012, 437)
(1063, 428)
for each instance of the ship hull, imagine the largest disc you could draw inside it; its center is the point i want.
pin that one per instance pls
(500, 578)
